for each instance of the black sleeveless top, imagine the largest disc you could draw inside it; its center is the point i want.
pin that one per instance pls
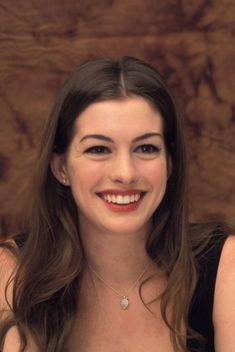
(201, 308)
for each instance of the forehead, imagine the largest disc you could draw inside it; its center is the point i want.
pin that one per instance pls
(134, 114)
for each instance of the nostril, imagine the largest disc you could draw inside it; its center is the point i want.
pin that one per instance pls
(125, 178)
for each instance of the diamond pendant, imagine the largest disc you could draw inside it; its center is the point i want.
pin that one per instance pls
(124, 302)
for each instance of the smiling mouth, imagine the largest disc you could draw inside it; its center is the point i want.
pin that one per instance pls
(122, 199)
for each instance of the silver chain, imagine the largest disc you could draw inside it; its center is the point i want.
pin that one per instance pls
(113, 289)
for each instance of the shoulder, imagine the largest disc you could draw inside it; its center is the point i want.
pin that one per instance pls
(208, 242)
(224, 298)
(8, 264)
(7, 258)
(8, 267)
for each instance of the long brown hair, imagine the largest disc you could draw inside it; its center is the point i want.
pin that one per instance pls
(47, 281)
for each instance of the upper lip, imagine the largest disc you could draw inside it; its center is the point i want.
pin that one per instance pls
(122, 192)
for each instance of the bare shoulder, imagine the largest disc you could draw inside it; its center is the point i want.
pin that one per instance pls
(8, 266)
(224, 298)
(6, 256)
(8, 261)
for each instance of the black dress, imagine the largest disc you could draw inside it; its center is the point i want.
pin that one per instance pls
(201, 309)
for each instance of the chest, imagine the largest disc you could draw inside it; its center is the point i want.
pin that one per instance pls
(135, 332)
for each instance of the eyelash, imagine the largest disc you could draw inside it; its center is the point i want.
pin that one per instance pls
(100, 149)
(149, 148)
(94, 150)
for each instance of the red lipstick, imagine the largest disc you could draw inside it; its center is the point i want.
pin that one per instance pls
(122, 207)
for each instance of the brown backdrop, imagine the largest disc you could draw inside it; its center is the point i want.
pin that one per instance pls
(190, 41)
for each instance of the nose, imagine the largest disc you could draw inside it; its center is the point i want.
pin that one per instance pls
(123, 170)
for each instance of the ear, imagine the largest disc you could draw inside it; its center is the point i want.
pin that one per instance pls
(58, 168)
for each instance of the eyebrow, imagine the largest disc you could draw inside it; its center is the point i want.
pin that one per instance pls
(108, 139)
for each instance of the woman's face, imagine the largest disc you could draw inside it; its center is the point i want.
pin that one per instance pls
(116, 165)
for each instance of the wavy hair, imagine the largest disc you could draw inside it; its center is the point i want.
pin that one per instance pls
(51, 261)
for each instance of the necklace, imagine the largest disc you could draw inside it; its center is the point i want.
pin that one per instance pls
(124, 301)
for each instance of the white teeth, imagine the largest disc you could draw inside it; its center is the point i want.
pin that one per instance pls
(127, 199)
(119, 199)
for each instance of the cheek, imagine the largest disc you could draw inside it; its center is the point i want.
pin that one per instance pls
(84, 173)
(156, 174)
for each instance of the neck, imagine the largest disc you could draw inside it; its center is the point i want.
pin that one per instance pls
(118, 259)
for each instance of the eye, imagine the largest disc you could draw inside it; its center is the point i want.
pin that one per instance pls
(98, 149)
(148, 149)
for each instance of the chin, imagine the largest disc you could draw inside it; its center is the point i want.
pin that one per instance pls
(127, 228)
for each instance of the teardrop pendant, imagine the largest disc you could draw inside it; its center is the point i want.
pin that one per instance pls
(124, 302)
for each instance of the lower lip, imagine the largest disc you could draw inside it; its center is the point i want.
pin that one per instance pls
(118, 208)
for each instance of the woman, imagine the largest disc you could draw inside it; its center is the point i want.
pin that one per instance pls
(109, 262)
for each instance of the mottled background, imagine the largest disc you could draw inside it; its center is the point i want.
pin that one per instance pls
(190, 41)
